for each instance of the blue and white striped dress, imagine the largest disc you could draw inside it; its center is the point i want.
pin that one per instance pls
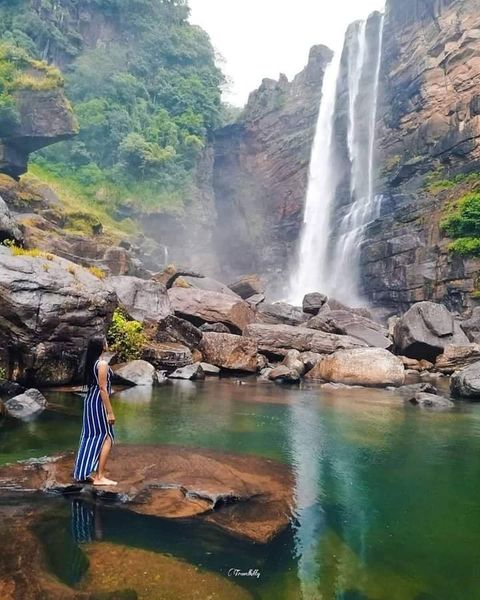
(94, 430)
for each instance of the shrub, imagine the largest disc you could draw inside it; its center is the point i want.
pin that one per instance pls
(466, 246)
(34, 252)
(97, 272)
(125, 336)
(463, 219)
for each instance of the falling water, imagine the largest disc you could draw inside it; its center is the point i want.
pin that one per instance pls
(311, 273)
(335, 271)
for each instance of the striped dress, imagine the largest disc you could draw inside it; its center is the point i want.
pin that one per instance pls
(95, 429)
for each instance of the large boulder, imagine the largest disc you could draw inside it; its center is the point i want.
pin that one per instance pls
(193, 372)
(200, 306)
(49, 309)
(144, 300)
(457, 357)
(284, 374)
(313, 302)
(135, 372)
(425, 330)
(362, 366)
(172, 272)
(167, 355)
(466, 382)
(345, 322)
(229, 351)
(174, 329)
(281, 313)
(9, 230)
(248, 286)
(277, 340)
(26, 406)
(471, 326)
(203, 283)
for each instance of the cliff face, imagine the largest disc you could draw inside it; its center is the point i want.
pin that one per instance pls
(261, 172)
(428, 129)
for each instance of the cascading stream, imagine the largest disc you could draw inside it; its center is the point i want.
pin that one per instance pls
(329, 259)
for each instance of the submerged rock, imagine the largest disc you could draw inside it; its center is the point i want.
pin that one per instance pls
(466, 382)
(229, 351)
(144, 300)
(426, 329)
(26, 406)
(246, 496)
(193, 372)
(135, 372)
(362, 366)
(425, 400)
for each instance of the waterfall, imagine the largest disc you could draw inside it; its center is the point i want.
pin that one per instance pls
(329, 258)
(312, 272)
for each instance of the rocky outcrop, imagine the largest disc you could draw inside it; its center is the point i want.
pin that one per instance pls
(229, 351)
(49, 309)
(362, 366)
(457, 357)
(261, 170)
(143, 300)
(345, 322)
(9, 229)
(425, 330)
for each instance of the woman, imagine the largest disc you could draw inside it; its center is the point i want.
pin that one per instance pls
(98, 418)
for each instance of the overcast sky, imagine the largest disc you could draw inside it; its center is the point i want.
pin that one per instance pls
(263, 38)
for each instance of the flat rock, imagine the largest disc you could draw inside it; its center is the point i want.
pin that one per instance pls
(215, 328)
(362, 366)
(209, 369)
(26, 406)
(135, 372)
(144, 300)
(247, 496)
(199, 306)
(204, 283)
(457, 357)
(192, 372)
(229, 351)
(248, 286)
(278, 339)
(281, 313)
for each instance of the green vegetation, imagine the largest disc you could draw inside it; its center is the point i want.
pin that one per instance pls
(462, 222)
(125, 336)
(97, 272)
(146, 101)
(34, 252)
(434, 182)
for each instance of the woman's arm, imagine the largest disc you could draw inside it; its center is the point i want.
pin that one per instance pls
(102, 384)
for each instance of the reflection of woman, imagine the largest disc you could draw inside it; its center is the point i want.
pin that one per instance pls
(97, 432)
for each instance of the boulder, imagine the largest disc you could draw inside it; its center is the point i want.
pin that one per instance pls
(144, 300)
(49, 309)
(310, 359)
(118, 261)
(413, 364)
(466, 382)
(313, 302)
(284, 374)
(345, 322)
(281, 312)
(256, 299)
(135, 372)
(193, 372)
(167, 355)
(363, 366)
(203, 283)
(174, 329)
(471, 326)
(425, 330)
(9, 229)
(425, 400)
(209, 369)
(215, 327)
(229, 351)
(26, 406)
(293, 362)
(171, 272)
(9, 389)
(200, 306)
(407, 392)
(248, 286)
(457, 357)
(276, 340)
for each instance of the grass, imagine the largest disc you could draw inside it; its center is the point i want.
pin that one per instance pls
(97, 272)
(33, 252)
(434, 183)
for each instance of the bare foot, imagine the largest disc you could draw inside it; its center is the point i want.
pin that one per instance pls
(103, 481)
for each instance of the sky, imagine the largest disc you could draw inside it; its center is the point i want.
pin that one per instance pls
(263, 38)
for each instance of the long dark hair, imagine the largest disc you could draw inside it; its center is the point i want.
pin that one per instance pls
(95, 348)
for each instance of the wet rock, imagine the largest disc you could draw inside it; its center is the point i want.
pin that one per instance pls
(345, 322)
(160, 377)
(144, 300)
(313, 302)
(248, 286)
(167, 355)
(192, 372)
(425, 400)
(215, 328)
(278, 339)
(229, 351)
(135, 372)
(457, 357)
(9, 229)
(174, 329)
(246, 496)
(425, 330)
(362, 366)
(49, 309)
(281, 312)
(199, 306)
(209, 369)
(284, 374)
(293, 362)
(26, 406)
(408, 391)
(262, 362)
(466, 382)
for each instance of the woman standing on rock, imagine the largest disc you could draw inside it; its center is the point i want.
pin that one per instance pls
(97, 432)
